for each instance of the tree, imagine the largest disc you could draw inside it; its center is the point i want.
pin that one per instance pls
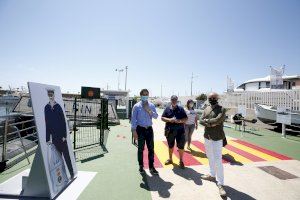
(201, 97)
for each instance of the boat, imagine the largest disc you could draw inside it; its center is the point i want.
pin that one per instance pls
(268, 115)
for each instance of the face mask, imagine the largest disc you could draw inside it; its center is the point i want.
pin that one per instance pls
(213, 101)
(144, 98)
(191, 105)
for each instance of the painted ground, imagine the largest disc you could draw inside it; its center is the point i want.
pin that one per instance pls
(118, 178)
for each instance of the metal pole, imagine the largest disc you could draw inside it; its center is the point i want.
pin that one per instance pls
(126, 68)
(283, 131)
(74, 125)
(161, 90)
(119, 80)
(192, 84)
(4, 141)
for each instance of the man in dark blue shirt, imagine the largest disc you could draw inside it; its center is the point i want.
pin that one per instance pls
(56, 128)
(175, 118)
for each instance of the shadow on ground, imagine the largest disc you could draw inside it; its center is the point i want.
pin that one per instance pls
(234, 194)
(196, 153)
(188, 173)
(156, 184)
(229, 158)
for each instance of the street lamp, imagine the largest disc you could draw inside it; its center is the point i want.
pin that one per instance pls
(119, 70)
(126, 68)
(192, 78)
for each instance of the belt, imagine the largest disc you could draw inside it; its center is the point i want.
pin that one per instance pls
(145, 127)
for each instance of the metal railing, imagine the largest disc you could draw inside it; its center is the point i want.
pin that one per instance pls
(16, 138)
(288, 98)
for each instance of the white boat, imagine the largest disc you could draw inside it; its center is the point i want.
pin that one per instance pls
(267, 114)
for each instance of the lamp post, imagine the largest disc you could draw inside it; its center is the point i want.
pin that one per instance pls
(119, 70)
(192, 78)
(126, 69)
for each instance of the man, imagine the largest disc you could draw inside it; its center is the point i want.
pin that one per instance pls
(141, 126)
(56, 128)
(175, 118)
(213, 118)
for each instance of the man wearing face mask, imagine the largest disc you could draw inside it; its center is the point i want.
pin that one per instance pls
(212, 119)
(141, 126)
(175, 118)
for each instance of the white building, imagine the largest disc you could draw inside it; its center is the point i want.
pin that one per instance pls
(289, 83)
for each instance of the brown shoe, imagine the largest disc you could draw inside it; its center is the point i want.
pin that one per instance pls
(208, 177)
(222, 191)
(168, 162)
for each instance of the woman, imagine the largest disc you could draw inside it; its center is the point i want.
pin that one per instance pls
(191, 123)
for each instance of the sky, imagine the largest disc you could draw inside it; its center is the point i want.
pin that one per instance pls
(82, 43)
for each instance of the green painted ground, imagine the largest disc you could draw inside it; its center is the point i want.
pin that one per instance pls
(270, 140)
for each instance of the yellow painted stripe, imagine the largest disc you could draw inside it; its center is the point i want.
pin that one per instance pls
(252, 151)
(203, 161)
(237, 157)
(162, 153)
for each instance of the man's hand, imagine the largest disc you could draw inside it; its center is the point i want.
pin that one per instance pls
(49, 142)
(64, 139)
(135, 135)
(178, 121)
(172, 120)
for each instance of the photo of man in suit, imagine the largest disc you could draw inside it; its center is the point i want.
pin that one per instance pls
(56, 128)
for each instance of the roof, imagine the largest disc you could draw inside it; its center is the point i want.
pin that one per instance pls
(267, 78)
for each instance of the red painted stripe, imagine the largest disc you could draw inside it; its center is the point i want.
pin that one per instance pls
(244, 153)
(188, 159)
(202, 148)
(157, 163)
(271, 153)
(145, 157)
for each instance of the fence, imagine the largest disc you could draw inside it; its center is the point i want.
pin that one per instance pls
(89, 121)
(288, 98)
(17, 135)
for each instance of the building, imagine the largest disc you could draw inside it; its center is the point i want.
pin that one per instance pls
(289, 83)
(119, 96)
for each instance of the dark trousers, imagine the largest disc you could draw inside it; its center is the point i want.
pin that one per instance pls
(145, 135)
(62, 148)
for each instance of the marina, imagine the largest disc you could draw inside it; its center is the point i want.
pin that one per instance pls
(149, 100)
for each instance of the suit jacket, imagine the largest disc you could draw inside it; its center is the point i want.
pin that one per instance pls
(55, 123)
(214, 126)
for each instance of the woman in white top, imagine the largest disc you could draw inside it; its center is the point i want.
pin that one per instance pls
(191, 123)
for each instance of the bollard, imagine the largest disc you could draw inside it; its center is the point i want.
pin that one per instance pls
(283, 131)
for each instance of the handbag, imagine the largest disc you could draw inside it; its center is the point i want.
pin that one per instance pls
(225, 139)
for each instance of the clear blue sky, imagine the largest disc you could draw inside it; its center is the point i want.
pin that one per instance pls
(74, 43)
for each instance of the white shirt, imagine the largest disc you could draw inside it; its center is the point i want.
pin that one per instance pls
(191, 116)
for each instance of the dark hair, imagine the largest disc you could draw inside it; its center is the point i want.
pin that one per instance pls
(188, 102)
(143, 90)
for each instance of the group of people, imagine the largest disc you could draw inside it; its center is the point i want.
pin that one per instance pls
(180, 125)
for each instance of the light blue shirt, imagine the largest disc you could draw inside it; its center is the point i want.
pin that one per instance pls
(140, 117)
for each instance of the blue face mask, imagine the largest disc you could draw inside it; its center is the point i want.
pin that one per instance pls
(144, 98)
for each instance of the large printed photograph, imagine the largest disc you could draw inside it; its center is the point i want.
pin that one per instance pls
(54, 135)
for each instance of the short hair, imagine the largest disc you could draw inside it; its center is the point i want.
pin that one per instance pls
(144, 90)
(174, 97)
